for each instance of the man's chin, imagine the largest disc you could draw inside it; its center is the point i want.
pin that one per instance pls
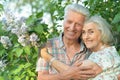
(89, 47)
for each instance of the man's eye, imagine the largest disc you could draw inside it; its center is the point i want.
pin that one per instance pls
(78, 24)
(69, 21)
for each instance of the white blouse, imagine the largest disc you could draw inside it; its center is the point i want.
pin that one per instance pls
(109, 60)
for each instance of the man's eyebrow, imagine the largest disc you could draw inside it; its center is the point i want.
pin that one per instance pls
(90, 29)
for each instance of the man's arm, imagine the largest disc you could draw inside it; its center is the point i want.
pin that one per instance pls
(43, 72)
(76, 71)
(44, 75)
(71, 73)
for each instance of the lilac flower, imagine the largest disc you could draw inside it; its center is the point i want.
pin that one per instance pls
(15, 30)
(6, 41)
(23, 40)
(23, 28)
(34, 37)
(18, 27)
(2, 65)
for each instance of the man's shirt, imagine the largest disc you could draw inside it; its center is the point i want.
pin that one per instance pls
(56, 48)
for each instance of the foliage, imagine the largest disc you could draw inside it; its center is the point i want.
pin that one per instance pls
(20, 39)
(23, 36)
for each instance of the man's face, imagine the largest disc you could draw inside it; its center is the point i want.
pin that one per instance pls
(73, 24)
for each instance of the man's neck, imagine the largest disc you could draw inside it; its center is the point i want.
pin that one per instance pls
(72, 47)
(70, 43)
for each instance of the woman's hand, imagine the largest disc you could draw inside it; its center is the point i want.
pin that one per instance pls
(95, 67)
(76, 71)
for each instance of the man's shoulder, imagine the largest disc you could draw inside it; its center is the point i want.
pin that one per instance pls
(53, 39)
(55, 42)
(56, 39)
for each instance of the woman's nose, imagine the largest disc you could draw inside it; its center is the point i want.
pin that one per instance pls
(85, 35)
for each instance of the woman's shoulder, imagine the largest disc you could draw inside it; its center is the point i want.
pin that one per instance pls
(106, 50)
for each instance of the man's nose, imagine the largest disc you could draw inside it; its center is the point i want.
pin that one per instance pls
(72, 26)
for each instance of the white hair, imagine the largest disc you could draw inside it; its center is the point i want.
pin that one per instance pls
(77, 8)
(104, 27)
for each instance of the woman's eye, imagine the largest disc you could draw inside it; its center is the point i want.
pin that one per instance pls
(91, 31)
(83, 32)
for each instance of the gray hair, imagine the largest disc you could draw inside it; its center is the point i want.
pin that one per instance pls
(77, 8)
(104, 27)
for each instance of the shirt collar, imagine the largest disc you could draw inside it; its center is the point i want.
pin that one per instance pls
(61, 41)
(61, 45)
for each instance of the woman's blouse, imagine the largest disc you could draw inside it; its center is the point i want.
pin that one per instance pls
(109, 60)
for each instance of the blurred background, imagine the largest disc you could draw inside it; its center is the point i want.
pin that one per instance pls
(26, 24)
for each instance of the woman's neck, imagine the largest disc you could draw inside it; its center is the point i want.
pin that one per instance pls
(100, 47)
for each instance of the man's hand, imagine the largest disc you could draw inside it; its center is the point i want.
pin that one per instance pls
(45, 55)
(77, 71)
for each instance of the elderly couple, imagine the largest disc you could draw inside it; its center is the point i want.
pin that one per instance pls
(84, 51)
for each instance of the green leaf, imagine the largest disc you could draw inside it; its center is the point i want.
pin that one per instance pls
(39, 29)
(32, 79)
(119, 51)
(118, 28)
(17, 78)
(1, 30)
(3, 51)
(27, 49)
(27, 65)
(16, 45)
(1, 78)
(31, 73)
(1, 7)
(116, 18)
(90, 2)
(18, 69)
(27, 78)
(18, 51)
(36, 49)
(30, 20)
(39, 15)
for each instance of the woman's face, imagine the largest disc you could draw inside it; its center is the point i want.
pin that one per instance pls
(91, 36)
